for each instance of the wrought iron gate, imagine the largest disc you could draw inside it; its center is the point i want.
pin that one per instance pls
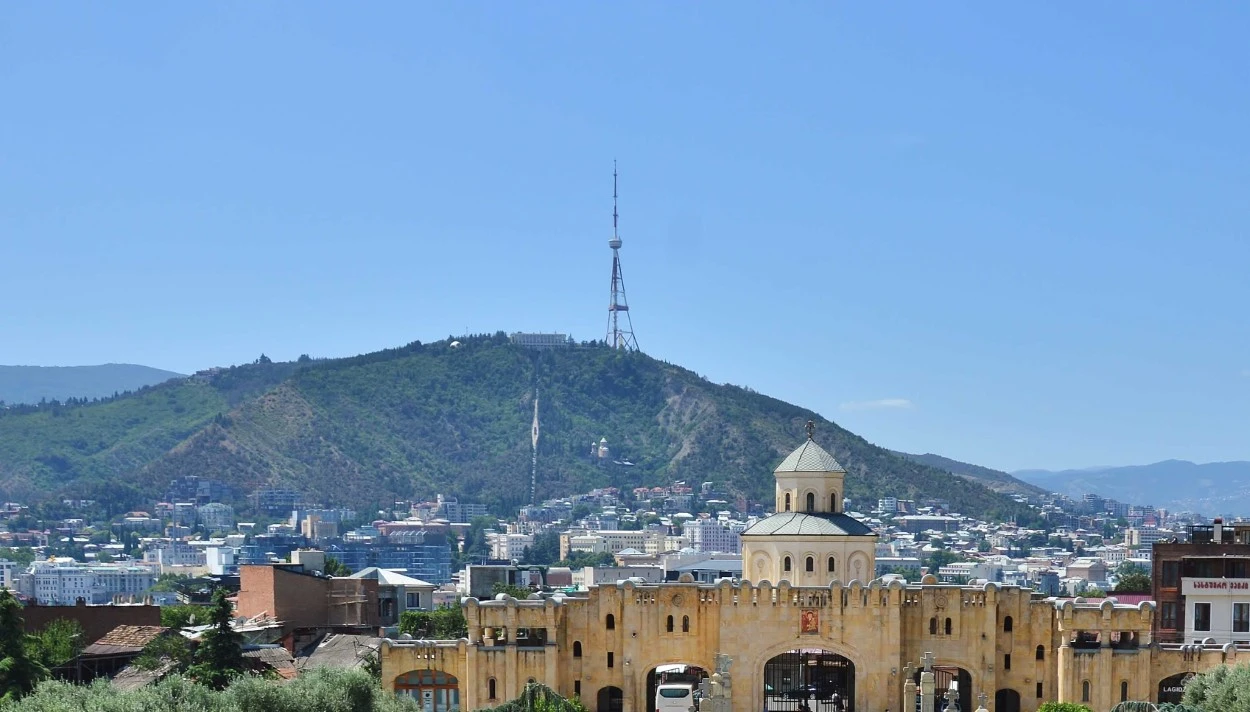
(943, 676)
(809, 680)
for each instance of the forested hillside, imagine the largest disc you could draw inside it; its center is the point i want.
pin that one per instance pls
(430, 418)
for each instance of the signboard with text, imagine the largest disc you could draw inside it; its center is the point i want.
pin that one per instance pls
(1214, 586)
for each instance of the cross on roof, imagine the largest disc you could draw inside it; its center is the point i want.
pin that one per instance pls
(811, 428)
(927, 661)
(907, 670)
(983, 697)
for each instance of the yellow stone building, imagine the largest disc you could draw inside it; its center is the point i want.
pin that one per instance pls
(814, 639)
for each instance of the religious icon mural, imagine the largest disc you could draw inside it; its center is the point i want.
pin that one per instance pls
(809, 621)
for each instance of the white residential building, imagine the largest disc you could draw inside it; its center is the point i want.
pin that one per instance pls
(61, 582)
(711, 536)
(1217, 608)
(509, 547)
(8, 574)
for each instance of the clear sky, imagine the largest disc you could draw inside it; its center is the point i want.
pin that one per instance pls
(1009, 233)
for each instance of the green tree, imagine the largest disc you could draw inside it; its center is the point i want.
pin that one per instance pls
(60, 641)
(22, 556)
(169, 582)
(19, 670)
(1133, 583)
(544, 551)
(537, 697)
(446, 623)
(1221, 689)
(1063, 707)
(219, 657)
(178, 617)
(334, 567)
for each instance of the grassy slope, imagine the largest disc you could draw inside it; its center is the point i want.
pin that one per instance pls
(420, 420)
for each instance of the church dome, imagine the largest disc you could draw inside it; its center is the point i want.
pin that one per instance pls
(809, 457)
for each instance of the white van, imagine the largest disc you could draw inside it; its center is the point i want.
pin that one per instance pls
(675, 697)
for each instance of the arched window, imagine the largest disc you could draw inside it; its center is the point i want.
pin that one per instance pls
(1007, 623)
(811, 502)
(611, 622)
(785, 564)
(490, 687)
(685, 624)
(1124, 690)
(832, 565)
(1084, 690)
(810, 564)
(577, 650)
(948, 626)
(833, 502)
(932, 626)
(668, 626)
(787, 501)
(1041, 652)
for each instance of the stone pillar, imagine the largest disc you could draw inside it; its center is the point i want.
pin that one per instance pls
(926, 691)
(909, 695)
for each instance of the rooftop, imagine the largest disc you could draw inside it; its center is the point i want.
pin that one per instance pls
(802, 524)
(809, 457)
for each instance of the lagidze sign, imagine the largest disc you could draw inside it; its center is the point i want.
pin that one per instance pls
(1203, 585)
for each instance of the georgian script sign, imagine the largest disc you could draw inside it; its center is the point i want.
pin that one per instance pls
(1213, 585)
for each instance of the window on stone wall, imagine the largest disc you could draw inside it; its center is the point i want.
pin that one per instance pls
(1007, 661)
(577, 688)
(785, 564)
(668, 625)
(577, 648)
(811, 502)
(1171, 574)
(1007, 624)
(1084, 690)
(832, 565)
(1124, 690)
(787, 501)
(490, 688)
(1041, 652)
(933, 626)
(611, 621)
(1039, 690)
(1167, 615)
(948, 626)
(810, 564)
(833, 502)
(611, 660)
(685, 624)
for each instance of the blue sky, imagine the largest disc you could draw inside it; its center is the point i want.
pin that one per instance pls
(1008, 233)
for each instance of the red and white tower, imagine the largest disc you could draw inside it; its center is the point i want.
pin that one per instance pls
(620, 330)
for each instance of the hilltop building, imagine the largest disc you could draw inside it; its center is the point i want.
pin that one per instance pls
(802, 619)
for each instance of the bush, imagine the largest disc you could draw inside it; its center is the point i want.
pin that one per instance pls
(321, 689)
(1063, 707)
(1222, 689)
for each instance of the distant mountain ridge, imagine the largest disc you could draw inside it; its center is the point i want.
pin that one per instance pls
(452, 417)
(994, 479)
(1179, 485)
(31, 384)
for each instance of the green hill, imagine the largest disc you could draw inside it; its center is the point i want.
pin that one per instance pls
(424, 419)
(31, 384)
(996, 480)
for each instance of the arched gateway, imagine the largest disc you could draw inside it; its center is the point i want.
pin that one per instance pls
(821, 680)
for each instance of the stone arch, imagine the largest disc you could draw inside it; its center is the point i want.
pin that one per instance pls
(755, 667)
(1008, 624)
(833, 502)
(644, 681)
(438, 689)
(1007, 700)
(832, 565)
(610, 699)
(809, 564)
(610, 622)
(787, 564)
(577, 649)
(858, 568)
(809, 502)
(685, 624)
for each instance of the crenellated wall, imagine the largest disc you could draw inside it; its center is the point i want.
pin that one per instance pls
(880, 628)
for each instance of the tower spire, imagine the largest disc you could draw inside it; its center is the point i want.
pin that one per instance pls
(620, 332)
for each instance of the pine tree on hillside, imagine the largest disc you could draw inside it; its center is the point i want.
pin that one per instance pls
(19, 672)
(220, 654)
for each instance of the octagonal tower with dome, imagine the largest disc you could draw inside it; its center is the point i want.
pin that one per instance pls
(809, 540)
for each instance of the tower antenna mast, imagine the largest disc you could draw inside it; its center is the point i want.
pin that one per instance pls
(620, 331)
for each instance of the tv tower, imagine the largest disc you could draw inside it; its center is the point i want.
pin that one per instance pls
(619, 336)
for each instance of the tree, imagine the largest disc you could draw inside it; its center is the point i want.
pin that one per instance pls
(178, 617)
(1222, 689)
(446, 623)
(537, 697)
(220, 654)
(19, 670)
(334, 567)
(1063, 707)
(544, 551)
(60, 641)
(519, 592)
(1133, 583)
